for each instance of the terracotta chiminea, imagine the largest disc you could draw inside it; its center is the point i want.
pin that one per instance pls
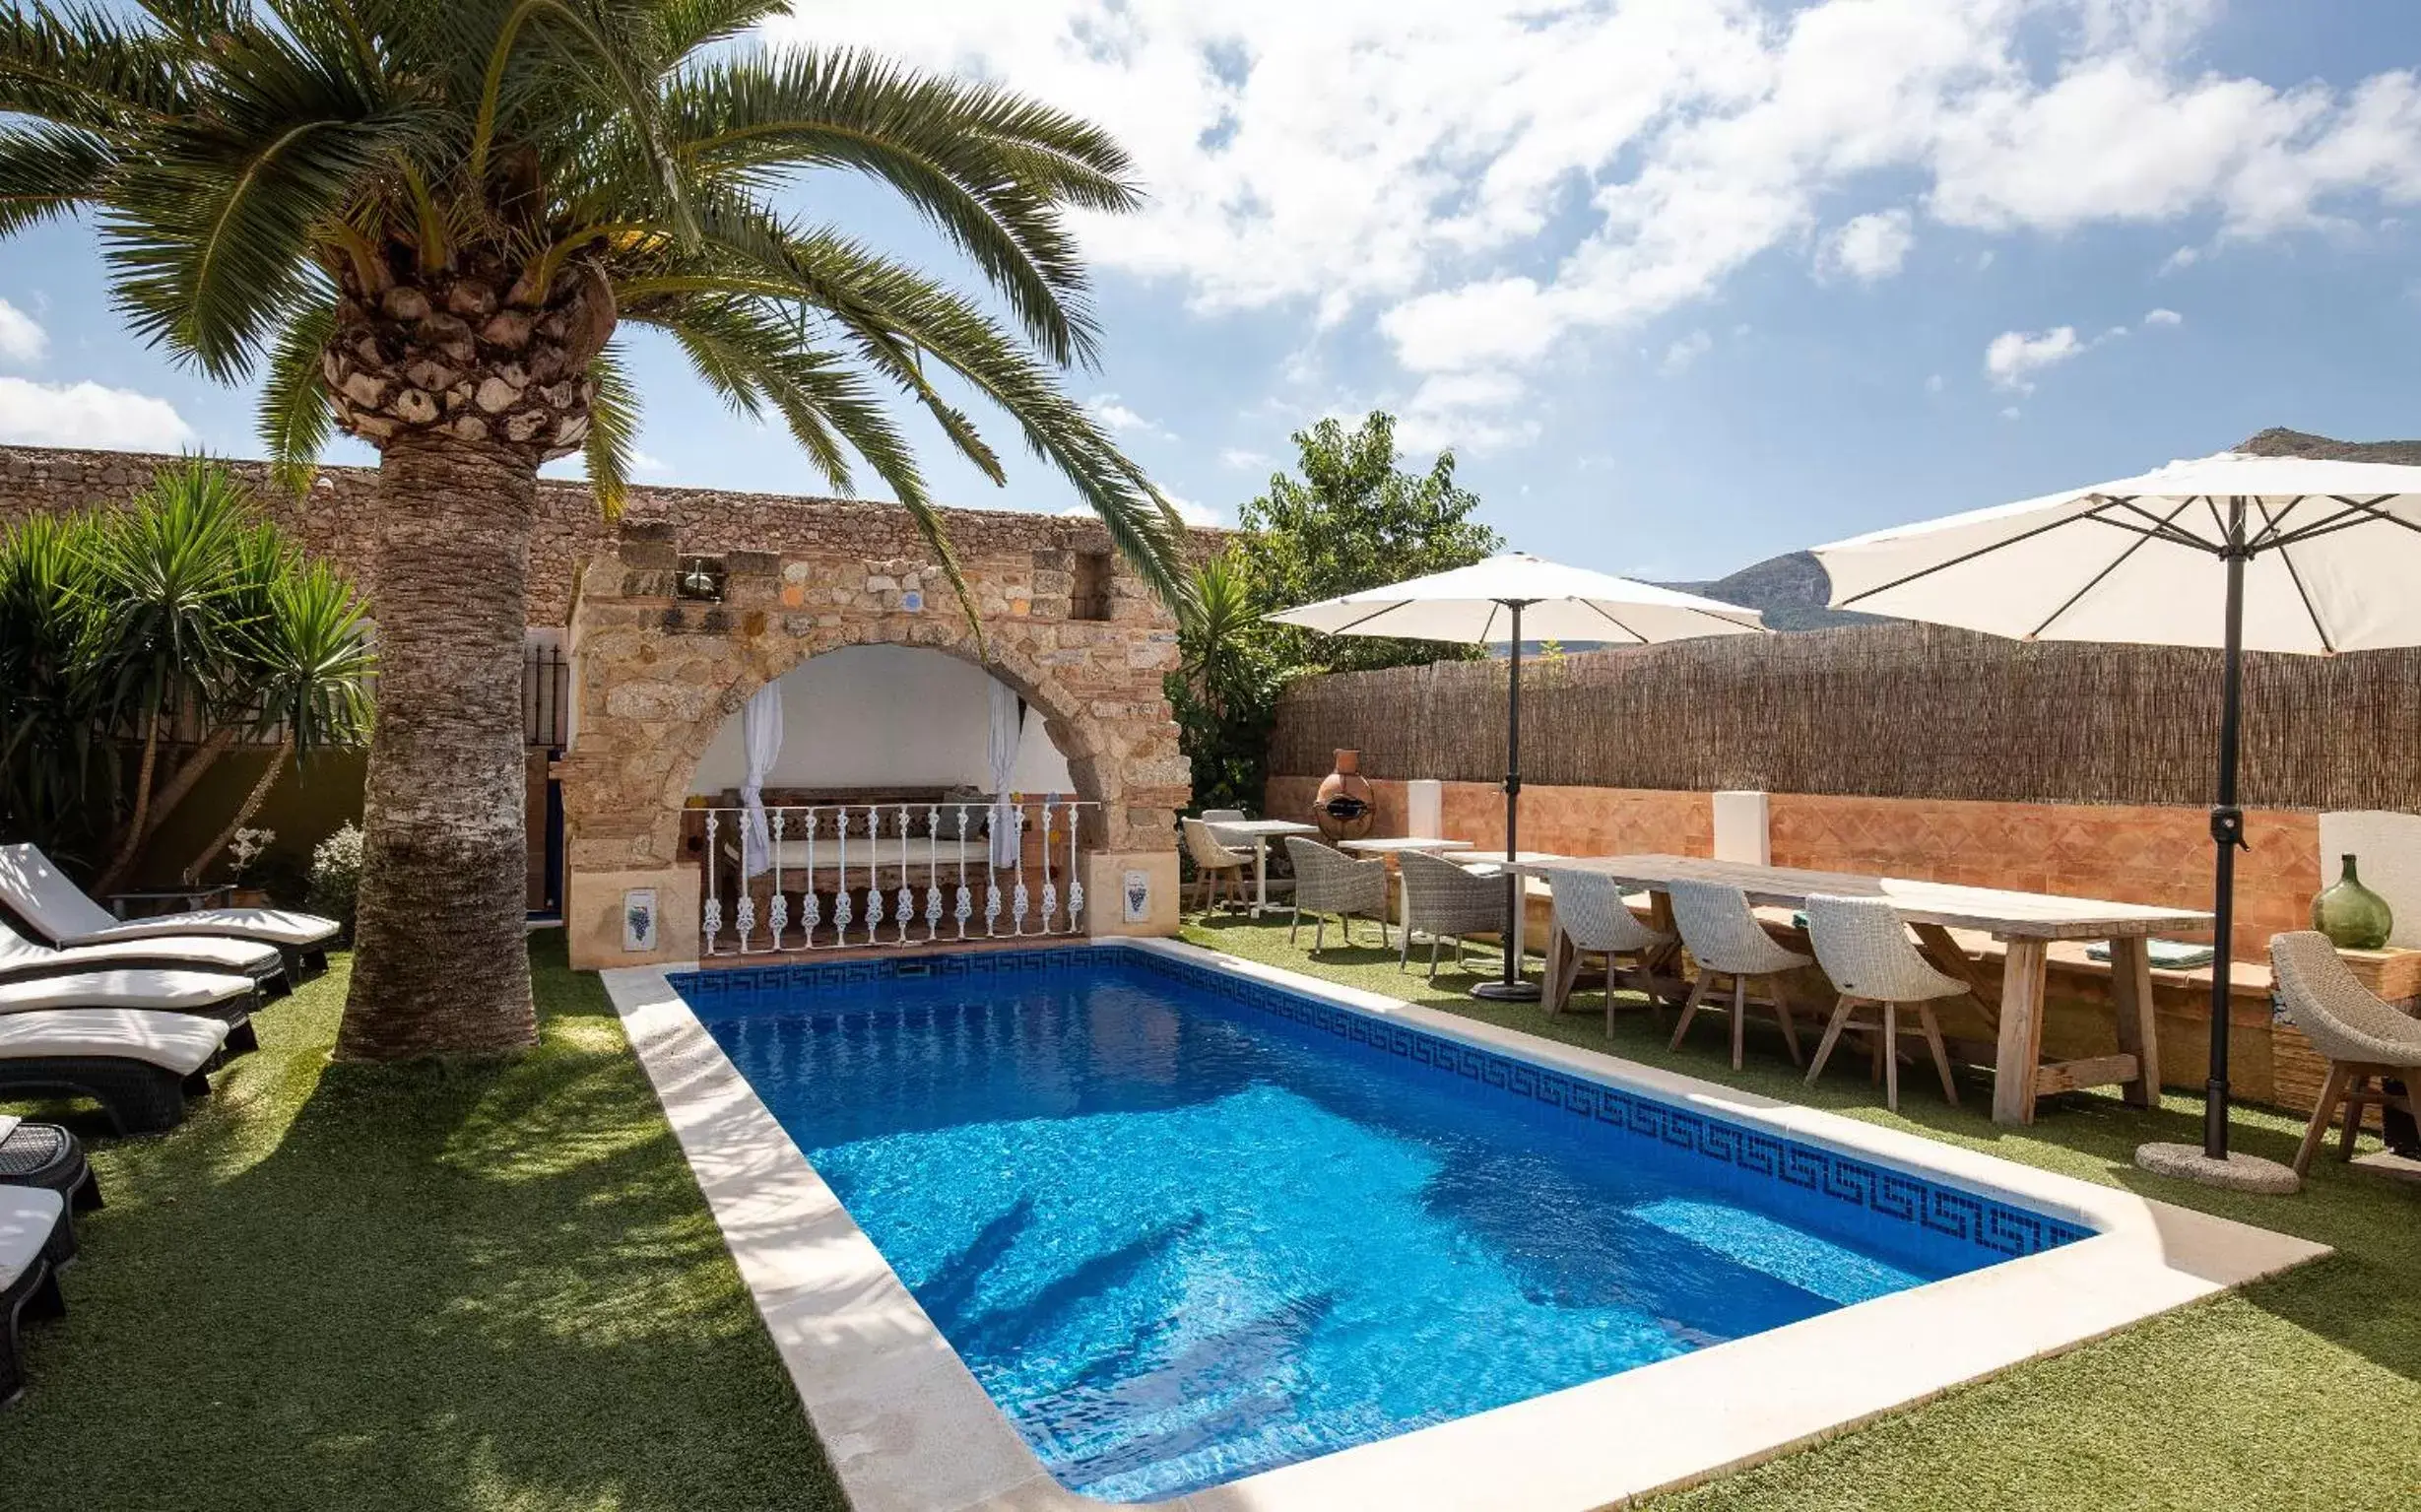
(1344, 810)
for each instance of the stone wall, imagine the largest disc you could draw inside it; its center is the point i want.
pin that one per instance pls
(656, 676)
(337, 516)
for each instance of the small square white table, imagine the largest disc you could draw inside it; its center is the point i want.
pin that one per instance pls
(1261, 832)
(1396, 845)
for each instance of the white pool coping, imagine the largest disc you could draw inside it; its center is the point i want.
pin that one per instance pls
(909, 1430)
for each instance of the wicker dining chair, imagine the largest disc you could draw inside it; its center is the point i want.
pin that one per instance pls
(1723, 936)
(1219, 868)
(2364, 1038)
(1593, 919)
(1863, 945)
(1446, 902)
(1330, 881)
(1217, 817)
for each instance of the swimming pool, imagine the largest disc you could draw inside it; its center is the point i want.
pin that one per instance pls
(1186, 1225)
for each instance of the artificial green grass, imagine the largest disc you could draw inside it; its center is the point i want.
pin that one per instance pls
(482, 1287)
(498, 1288)
(2303, 1391)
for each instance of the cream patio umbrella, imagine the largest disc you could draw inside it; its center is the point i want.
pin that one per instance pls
(2236, 552)
(1503, 601)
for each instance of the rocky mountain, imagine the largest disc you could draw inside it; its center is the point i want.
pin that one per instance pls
(1789, 590)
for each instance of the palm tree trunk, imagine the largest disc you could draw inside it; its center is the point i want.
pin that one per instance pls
(441, 963)
(244, 812)
(139, 821)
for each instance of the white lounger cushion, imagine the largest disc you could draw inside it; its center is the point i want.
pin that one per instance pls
(35, 889)
(177, 1042)
(28, 1218)
(128, 987)
(200, 953)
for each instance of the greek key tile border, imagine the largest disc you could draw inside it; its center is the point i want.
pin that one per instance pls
(2001, 1229)
(701, 988)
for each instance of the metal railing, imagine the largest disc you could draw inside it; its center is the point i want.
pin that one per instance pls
(849, 876)
(546, 698)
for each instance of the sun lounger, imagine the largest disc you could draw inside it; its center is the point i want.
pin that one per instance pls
(23, 960)
(229, 1000)
(29, 1218)
(34, 890)
(138, 1063)
(46, 1155)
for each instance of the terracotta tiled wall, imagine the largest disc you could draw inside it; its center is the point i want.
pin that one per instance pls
(2136, 855)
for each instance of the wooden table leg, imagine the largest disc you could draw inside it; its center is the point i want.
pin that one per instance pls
(2022, 981)
(2130, 986)
(1940, 948)
(1555, 988)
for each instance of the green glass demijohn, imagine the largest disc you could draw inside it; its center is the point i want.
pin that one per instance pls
(2351, 915)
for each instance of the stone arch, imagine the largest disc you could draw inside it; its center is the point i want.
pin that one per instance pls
(1080, 738)
(656, 676)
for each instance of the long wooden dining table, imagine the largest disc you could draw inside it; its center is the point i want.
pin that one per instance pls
(2026, 923)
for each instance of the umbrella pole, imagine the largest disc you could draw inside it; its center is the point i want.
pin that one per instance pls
(2227, 837)
(1512, 988)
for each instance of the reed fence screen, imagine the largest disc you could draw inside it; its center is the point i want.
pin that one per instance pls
(1888, 710)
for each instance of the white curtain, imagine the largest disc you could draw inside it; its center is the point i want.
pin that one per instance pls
(1008, 718)
(761, 731)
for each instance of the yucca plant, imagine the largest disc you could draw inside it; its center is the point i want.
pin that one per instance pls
(161, 621)
(425, 223)
(58, 770)
(298, 665)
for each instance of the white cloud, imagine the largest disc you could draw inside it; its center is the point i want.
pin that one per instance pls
(1186, 511)
(1243, 458)
(1465, 410)
(21, 338)
(88, 414)
(1687, 351)
(2163, 317)
(1190, 512)
(2011, 413)
(2013, 357)
(1934, 383)
(1418, 161)
(1119, 419)
(648, 462)
(1870, 247)
(2179, 261)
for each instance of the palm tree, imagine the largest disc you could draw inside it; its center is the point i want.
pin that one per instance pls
(425, 223)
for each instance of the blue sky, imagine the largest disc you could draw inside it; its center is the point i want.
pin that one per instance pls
(1685, 283)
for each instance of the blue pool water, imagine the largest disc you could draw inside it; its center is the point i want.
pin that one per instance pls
(1184, 1226)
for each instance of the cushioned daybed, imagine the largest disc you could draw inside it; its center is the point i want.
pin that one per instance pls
(227, 999)
(23, 960)
(138, 1063)
(30, 1218)
(34, 889)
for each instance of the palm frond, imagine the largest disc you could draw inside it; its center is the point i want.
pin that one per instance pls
(82, 66)
(48, 170)
(949, 148)
(293, 417)
(613, 444)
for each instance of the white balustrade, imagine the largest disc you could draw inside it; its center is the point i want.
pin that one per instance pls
(896, 875)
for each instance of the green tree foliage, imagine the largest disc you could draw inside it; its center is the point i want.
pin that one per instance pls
(1353, 520)
(1356, 520)
(1225, 689)
(138, 645)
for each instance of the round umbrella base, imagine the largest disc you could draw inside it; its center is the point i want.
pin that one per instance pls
(1499, 991)
(2237, 1174)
